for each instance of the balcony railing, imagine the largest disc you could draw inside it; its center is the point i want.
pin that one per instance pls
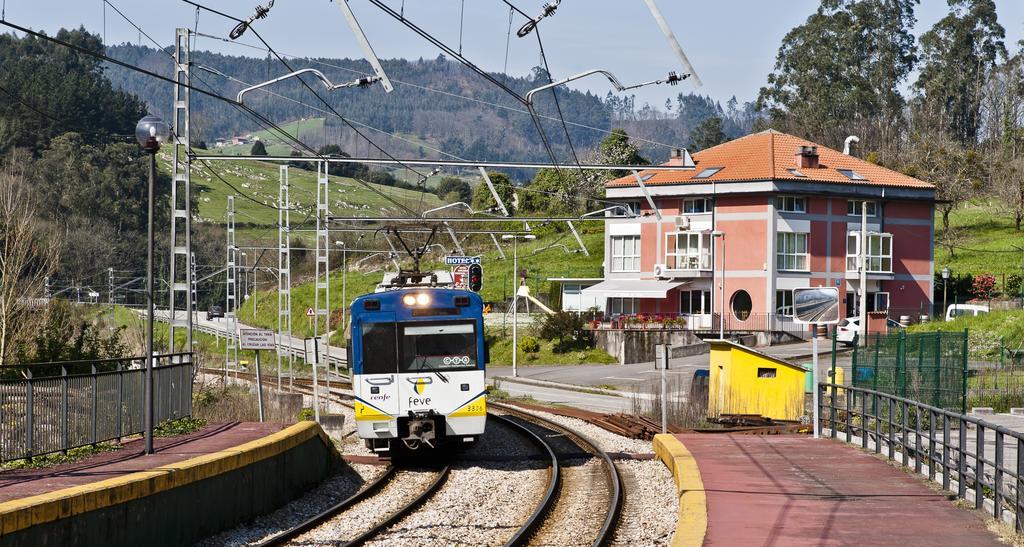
(688, 261)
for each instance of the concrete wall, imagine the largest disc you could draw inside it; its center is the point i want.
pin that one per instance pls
(181, 503)
(637, 346)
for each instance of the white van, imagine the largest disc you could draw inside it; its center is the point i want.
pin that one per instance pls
(961, 310)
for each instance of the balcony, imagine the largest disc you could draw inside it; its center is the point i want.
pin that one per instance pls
(687, 254)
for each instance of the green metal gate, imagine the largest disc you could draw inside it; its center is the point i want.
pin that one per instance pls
(929, 367)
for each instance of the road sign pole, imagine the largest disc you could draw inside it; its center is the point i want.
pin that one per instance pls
(316, 384)
(259, 386)
(814, 380)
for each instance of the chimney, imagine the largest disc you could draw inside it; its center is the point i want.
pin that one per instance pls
(807, 157)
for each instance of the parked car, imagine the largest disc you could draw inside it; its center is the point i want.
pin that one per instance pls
(850, 327)
(961, 310)
(214, 312)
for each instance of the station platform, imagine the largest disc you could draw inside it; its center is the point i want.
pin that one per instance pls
(131, 458)
(796, 490)
(193, 486)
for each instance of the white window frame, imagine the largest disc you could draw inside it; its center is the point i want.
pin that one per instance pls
(875, 297)
(705, 302)
(688, 256)
(878, 259)
(623, 306)
(690, 206)
(797, 204)
(786, 294)
(853, 208)
(790, 257)
(625, 253)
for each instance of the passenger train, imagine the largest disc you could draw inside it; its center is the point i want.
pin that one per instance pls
(418, 358)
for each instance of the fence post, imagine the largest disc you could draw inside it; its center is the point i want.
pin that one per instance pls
(1019, 509)
(932, 457)
(864, 421)
(904, 433)
(832, 409)
(962, 460)
(937, 396)
(64, 410)
(979, 467)
(917, 439)
(963, 403)
(945, 451)
(95, 400)
(120, 401)
(29, 437)
(876, 410)
(997, 477)
(901, 363)
(892, 445)
(832, 377)
(874, 376)
(849, 419)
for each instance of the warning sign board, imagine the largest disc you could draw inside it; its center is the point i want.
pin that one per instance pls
(256, 339)
(310, 312)
(460, 276)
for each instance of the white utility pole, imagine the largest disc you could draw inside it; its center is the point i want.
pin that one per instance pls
(180, 294)
(231, 295)
(515, 298)
(284, 278)
(322, 285)
(863, 272)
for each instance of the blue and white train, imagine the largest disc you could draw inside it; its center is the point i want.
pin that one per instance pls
(418, 358)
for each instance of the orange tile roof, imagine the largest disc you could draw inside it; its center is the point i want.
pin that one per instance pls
(769, 155)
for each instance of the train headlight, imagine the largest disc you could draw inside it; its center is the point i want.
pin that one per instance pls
(422, 299)
(409, 300)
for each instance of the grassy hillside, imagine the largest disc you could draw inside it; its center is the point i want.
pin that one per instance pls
(986, 332)
(497, 286)
(985, 237)
(276, 145)
(259, 180)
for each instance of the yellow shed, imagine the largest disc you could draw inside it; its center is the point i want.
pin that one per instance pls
(745, 381)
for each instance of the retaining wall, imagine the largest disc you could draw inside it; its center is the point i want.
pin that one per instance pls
(176, 504)
(637, 346)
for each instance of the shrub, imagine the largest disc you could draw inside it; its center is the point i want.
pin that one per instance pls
(529, 344)
(567, 330)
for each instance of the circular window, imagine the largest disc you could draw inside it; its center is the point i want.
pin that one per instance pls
(741, 305)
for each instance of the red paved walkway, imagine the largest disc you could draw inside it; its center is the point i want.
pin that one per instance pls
(794, 490)
(130, 459)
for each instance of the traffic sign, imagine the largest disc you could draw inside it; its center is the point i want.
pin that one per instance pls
(310, 312)
(460, 276)
(816, 305)
(460, 260)
(256, 339)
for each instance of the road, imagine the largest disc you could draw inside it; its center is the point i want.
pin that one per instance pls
(219, 327)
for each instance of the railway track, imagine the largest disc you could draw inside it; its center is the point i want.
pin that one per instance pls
(324, 525)
(562, 520)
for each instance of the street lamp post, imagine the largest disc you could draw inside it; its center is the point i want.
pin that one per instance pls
(721, 286)
(945, 287)
(151, 132)
(515, 296)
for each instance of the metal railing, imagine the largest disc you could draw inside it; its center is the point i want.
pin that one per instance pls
(54, 413)
(938, 443)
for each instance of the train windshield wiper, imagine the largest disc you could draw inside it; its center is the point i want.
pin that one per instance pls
(424, 363)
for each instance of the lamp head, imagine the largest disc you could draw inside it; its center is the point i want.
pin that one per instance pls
(151, 132)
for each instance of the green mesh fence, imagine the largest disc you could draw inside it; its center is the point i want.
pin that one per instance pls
(930, 367)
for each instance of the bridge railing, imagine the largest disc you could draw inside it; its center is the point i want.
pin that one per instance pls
(983, 463)
(55, 407)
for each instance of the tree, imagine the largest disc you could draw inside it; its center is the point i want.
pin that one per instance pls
(461, 188)
(482, 198)
(957, 55)
(707, 134)
(566, 329)
(28, 253)
(840, 72)
(957, 173)
(258, 149)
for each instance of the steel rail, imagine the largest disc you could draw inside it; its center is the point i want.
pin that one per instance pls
(525, 532)
(295, 531)
(604, 535)
(401, 513)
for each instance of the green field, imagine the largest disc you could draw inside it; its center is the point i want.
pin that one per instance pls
(985, 240)
(260, 180)
(275, 144)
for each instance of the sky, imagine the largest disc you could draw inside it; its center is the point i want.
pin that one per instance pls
(731, 43)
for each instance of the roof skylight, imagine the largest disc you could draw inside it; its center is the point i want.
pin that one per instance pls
(851, 174)
(797, 173)
(646, 177)
(708, 172)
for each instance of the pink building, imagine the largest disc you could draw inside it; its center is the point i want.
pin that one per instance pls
(789, 212)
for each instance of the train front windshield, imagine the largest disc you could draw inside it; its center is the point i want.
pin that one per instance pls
(415, 347)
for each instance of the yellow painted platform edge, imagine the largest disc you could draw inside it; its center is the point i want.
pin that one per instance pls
(25, 512)
(692, 524)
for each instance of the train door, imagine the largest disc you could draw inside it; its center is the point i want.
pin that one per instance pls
(378, 385)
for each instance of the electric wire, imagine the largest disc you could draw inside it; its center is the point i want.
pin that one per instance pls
(437, 91)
